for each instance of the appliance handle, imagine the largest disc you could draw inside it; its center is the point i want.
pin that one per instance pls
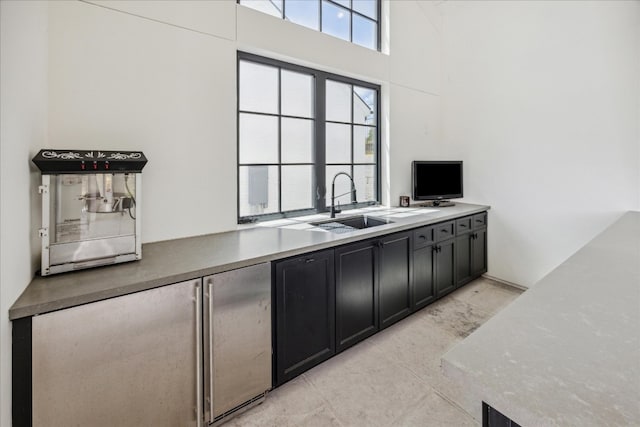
(199, 361)
(210, 343)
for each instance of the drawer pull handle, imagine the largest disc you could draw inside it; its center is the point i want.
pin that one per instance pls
(308, 260)
(422, 236)
(444, 230)
(478, 220)
(462, 226)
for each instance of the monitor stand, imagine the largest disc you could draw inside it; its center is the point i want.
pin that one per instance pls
(436, 204)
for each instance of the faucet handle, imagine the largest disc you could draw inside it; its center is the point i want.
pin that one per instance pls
(337, 210)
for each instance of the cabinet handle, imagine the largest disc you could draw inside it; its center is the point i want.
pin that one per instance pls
(479, 220)
(422, 237)
(309, 260)
(444, 230)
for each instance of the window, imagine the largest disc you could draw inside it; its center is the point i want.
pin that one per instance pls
(356, 21)
(297, 128)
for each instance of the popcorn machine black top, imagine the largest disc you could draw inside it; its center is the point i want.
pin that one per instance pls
(90, 208)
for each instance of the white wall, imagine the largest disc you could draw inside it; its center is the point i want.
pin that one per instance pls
(157, 77)
(414, 102)
(541, 102)
(23, 130)
(160, 76)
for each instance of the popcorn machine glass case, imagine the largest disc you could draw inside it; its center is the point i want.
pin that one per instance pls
(90, 208)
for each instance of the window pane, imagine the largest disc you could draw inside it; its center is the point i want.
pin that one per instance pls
(297, 187)
(258, 88)
(272, 7)
(343, 185)
(258, 139)
(336, 21)
(365, 32)
(364, 106)
(297, 94)
(258, 190)
(303, 12)
(364, 144)
(366, 7)
(365, 178)
(338, 99)
(297, 141)
(338, 143)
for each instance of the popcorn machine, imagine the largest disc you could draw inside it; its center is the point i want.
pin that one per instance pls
(90, 208)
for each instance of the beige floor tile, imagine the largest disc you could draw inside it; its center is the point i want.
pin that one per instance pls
(293, 404)
(456, 317)
(369, 390)
(487, 295)
(418, 347)
(435, 411)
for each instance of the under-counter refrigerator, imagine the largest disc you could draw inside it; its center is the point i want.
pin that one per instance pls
(237, 340)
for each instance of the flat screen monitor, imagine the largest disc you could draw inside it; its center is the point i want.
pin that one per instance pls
(436, 180)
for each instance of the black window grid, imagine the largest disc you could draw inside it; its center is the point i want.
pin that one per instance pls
(322, 193)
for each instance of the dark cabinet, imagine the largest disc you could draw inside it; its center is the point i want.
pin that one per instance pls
(356, 292)
(305, 313)
(463, 258)
(434, 261)
(424, 290)
(479, 252)
(395, 278)
(444, 262)
(327, 301)
(471, 248)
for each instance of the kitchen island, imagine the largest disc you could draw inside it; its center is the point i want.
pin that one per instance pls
(567, 352)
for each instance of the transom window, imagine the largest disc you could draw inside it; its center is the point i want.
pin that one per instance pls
(298, 128)
(356, 21)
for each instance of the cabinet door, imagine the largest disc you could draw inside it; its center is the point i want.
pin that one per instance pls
(126, 361)
(479, 252)
(463, 259)
(356, 293)
(423, 277)
(305, 313)
(445, 267)
(395, 278)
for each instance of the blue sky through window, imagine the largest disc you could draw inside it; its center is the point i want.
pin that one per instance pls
(351, 20)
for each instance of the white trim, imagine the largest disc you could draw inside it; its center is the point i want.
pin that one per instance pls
(505, 282)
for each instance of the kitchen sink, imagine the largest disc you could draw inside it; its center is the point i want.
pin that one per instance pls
(352, 223)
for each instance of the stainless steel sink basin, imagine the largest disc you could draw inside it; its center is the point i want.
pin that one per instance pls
(352, 223)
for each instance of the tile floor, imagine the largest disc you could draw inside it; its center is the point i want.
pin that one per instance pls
(391, 379)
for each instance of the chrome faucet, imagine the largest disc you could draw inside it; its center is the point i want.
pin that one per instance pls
(334, 211)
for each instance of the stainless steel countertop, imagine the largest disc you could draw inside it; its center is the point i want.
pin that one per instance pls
(567, 351)
(177, 260)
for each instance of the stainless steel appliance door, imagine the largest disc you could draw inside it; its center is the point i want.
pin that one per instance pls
(237, 338)
(126, 361)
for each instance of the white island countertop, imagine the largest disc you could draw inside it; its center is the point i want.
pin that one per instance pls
(567, 351)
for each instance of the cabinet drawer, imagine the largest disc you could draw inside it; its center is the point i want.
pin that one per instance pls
(479, 220)
(444, 231)
(422, 237)
(463, 225)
